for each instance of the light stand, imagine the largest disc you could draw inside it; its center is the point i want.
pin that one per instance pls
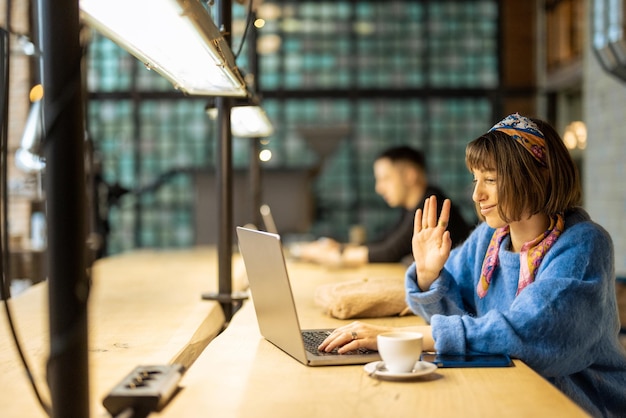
(5, 280)
(255, 172)
(64, 133)
(224, 179)
(244, 118)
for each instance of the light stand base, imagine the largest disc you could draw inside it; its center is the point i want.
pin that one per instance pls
(231, 302)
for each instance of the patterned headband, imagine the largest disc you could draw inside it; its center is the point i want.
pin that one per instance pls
(526, 132)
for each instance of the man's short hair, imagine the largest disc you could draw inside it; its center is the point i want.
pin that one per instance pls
(404, 153)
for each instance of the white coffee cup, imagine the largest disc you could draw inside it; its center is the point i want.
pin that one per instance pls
(400, 350)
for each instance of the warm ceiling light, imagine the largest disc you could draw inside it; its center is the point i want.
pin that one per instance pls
(269, 11)
(176, 38)
(569, 138)
(268, 44)
(36, 93)
(575, 135)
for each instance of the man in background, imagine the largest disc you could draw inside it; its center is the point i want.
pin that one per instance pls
(402, 181)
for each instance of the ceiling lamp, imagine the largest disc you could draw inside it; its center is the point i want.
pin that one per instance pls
(175, 38)
(608, 36)
(247, 119)
(250, 122)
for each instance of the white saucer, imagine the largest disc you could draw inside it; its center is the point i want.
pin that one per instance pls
(377, 369)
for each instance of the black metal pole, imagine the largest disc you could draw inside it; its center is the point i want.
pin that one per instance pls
(225, 210)
(5, 280)
(4, 248)
(255, 175)
(137, 157)
(224, 180)
(68, 377)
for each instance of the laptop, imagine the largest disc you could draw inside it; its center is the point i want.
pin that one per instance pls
(275, 308)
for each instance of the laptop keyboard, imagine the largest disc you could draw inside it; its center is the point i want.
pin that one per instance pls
(312, 340)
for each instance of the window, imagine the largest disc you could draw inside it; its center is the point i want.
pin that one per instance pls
(373, 73)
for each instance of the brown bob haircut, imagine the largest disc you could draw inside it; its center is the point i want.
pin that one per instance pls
(524, 187)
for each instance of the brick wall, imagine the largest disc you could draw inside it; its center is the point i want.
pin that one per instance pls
(604, 108)
(605, 157)
(20, 184)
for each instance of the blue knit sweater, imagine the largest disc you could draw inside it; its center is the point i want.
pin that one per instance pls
(564, 325)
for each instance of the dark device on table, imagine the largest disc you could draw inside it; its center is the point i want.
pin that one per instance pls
(468, 360)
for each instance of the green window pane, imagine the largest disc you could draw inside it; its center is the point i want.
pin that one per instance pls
(412, 52)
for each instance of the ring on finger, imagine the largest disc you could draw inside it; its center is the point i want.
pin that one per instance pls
(354, 336)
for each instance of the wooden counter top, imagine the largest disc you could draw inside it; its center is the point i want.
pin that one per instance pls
(145, 308)
(242, 375)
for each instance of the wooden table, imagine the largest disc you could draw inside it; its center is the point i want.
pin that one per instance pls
(145, 308)
(242, 375)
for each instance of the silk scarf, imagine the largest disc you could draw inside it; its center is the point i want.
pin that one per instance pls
(531, 255)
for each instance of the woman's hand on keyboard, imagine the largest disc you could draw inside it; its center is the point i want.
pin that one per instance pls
(353, 336)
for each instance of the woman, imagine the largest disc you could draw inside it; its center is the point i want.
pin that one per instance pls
(535, 280)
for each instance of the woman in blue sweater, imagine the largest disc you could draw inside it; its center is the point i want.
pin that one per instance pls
(535, 280)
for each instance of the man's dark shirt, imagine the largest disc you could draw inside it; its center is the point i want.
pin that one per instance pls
(396, 244)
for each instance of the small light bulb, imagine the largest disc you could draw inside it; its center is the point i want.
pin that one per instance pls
(36, 93)
(265, 155)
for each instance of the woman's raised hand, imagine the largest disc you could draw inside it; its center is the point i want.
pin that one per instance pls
(431, 241)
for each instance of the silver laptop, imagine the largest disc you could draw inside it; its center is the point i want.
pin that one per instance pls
(274, 304)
